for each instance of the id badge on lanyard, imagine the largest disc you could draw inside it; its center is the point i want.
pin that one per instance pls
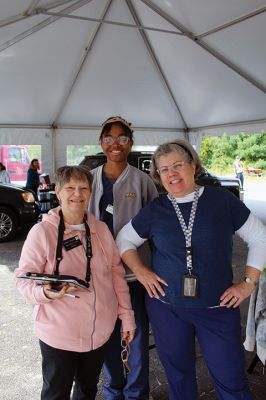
(190, 286)
(190, 282)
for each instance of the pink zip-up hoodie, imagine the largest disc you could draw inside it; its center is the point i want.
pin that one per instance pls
(76, 324)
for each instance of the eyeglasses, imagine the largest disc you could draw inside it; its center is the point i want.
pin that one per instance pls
(124, 356)
(111, 140)
(176, 167)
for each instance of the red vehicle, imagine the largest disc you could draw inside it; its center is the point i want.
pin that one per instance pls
(254, 171)
(16, 160)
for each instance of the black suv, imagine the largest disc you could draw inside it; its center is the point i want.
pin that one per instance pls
(18, 208)
(142, 159)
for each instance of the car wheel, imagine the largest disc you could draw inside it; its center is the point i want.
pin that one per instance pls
(8, 224)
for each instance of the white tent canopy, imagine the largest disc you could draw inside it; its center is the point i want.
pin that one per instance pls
(171, 67)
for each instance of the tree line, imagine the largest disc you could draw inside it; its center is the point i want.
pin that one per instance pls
(218, 152)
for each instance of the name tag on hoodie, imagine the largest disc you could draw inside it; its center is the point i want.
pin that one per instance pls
(72, 242)
(110, 209)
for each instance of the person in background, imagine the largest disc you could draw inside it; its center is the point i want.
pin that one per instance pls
(4, 175)
(73, 324)
(239, 168)
(33, 177)
(190, 280)
(119, 191)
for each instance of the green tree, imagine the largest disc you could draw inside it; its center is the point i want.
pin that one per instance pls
(35, 151)
(252, 149)
(218, 152)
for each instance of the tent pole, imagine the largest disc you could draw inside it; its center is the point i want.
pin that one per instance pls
(80, 65)
(231, 23)
(155, 60)
(41, 25)
(53, 131)
(205, 46)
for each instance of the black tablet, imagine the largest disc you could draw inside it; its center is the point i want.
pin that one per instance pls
(55, 279)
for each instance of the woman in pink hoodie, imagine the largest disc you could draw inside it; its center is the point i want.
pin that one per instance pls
(73, 321)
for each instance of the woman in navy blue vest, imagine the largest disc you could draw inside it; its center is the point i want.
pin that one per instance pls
(190, 280)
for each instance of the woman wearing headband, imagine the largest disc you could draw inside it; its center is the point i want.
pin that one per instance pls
(73, 321)
(119, 191)
(190, 279)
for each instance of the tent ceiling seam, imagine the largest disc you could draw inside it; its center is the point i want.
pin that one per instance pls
(41, 25)
(206, 47)
(31, 7)
(57, 3)
(226, 125)
(244, 109)
(12, 19)
(155, 60)
(29, 12)
(196, 39)
(109, 22)
(80, 65)
(231, 23)
(139, 128)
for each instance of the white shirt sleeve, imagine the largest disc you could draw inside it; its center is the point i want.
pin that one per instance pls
(253, 232)
(128, 239)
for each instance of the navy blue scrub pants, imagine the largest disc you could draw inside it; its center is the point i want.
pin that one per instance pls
(61, 367)
(135, 386)
(219, 334)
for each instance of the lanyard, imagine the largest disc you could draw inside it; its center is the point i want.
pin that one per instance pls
(61, 229)
(187, 230)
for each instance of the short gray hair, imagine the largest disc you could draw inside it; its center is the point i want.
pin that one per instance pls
(180, 146)
(67, 172)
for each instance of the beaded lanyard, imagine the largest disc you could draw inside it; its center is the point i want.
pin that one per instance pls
(187, 230)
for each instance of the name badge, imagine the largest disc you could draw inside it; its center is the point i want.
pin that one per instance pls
(110, 209)
(72, 242)
(190, 286)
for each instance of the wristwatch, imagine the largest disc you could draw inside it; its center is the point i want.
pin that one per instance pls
(247, 279)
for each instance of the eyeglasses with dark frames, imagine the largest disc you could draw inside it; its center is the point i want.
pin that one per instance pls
(124, 356)
(111, 140)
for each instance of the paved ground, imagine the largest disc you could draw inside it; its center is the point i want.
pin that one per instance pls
(20, 373)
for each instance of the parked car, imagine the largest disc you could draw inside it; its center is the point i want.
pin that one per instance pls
(142, 159)
(18, 208)
(253, 171)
